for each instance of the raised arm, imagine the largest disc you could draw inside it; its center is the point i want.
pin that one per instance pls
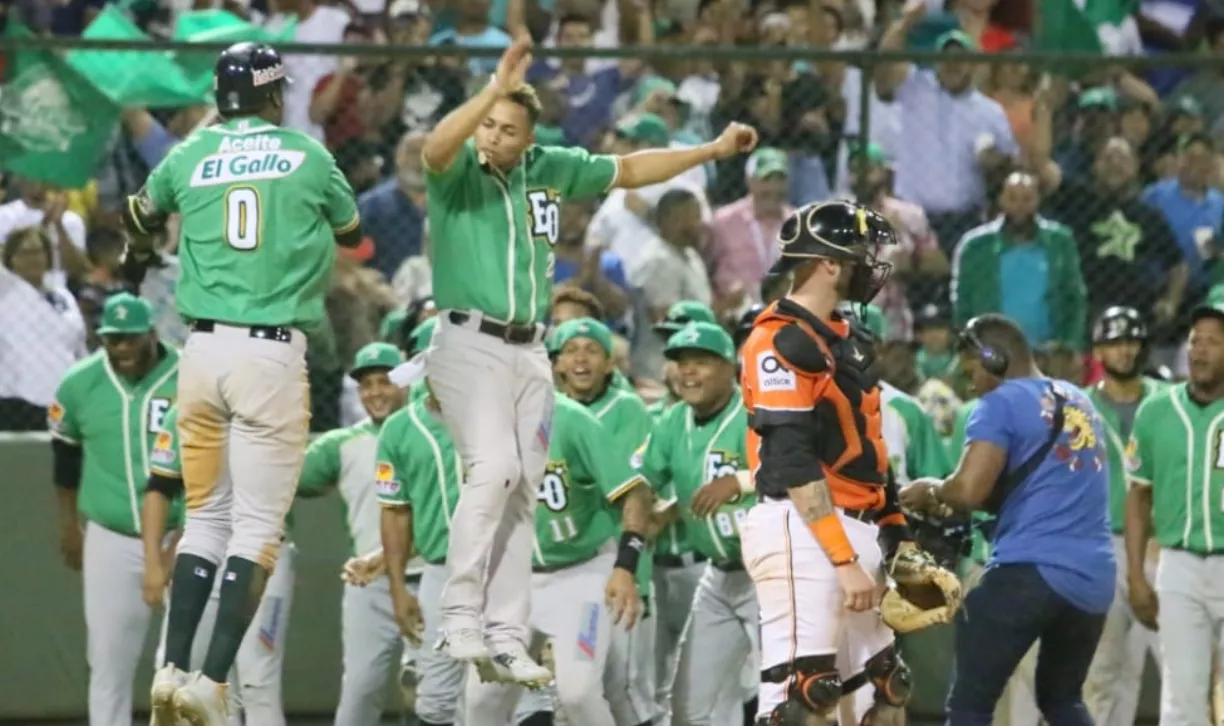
(643, 168)
(448, 137)
(890, 76)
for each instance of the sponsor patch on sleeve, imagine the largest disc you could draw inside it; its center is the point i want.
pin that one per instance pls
(163, 449)
(384, 480)
(55, 416)
(772, 375)
(1133, 464)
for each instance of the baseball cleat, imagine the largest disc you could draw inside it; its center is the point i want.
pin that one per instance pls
(515, 666)
(202, 702)
(166, 681)
(465, 645)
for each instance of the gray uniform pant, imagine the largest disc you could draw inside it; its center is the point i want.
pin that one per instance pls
(674, 588)
(720, 637)
(1115, 679)
(497, 401)
(1191, 615)
(568, 610)
(371, 648)
(255, 680)
(629, 678)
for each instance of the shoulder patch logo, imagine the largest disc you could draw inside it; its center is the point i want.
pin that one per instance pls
(384, 479)
(55, 414)
(772, 375)
(163, 449)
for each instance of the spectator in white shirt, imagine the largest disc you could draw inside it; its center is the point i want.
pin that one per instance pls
(41, 331)
(669, 269)
(37, 205)
(316, 23)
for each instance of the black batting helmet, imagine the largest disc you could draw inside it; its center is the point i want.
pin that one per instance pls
(246, 78)
(842, 231)
(1119, 323)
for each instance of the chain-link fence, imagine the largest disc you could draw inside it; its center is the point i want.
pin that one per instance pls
(1046, 187)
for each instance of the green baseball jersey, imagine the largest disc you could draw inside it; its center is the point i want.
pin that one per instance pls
(627, 426)
(1117, 448)
(659, 407)
(418, 466)
(620, 381)
(344, 458)
(493, 233)
(979, 545)
(261, 206)
(583, 477)
(1177, 447)
(673, 540)
(115, 421)
(690, 453)
(914, 447)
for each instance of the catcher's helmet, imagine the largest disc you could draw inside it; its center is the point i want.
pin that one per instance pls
(1119, 323)
(838, 231)
(246, 77)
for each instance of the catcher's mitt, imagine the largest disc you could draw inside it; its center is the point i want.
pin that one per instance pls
(920, 594)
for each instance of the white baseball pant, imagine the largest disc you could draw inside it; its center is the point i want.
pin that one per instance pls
(1190, 618)
(117, 621)
(674, 589)
(255, 693)
(371, 648)
(629, 677)
(801, 601)
(568, 609)
(439, 693)
(244, 409)
(1115, 679)
(497, 401)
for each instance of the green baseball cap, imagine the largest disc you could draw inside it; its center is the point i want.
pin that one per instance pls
(391, 323)
(955, 37)
(683, 313)
(709, 337)
(375, 355)
(873, 153)
(656, 84)
(126, 314)
(422, 336)
(1098, 98)
(767, 161)
(582, 328)
(646, 128)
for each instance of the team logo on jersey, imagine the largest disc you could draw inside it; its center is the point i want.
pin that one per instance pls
(229, 168)
(639, 454)
(1133, 462)
(163, 449)
(772, 375)
(554, 487)
(544, 214)
(588, 634)
(55, 415)
(384, 480)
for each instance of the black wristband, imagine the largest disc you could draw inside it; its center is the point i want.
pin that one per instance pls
(630, 551)
(67, 463)
(168, 486)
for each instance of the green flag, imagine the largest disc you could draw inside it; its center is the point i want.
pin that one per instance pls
(217, 26)
(131, 77)
(1072, 24)
(55, 126)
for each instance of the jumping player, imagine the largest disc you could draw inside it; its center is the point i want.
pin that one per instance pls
(262, 208)
(819, 464)
(494, 210)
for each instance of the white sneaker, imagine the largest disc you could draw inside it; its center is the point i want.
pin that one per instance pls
(202, 702)
(465, 645)
(515, 666)
(166, 681)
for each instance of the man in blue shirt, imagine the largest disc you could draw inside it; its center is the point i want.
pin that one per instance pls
(1193, 209)
(1035, 457)
(393, 211)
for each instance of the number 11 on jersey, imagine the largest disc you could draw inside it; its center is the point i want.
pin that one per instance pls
(563, 529)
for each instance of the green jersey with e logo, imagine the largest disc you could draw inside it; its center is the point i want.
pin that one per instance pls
(493, 232)
(583, 480)
(261, 206)
(1177, 448)
(691, 453)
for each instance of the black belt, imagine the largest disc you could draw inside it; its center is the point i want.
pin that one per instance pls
(863, 515)
(729, 566)
(509, 332)
(677, 561)
(277, 333)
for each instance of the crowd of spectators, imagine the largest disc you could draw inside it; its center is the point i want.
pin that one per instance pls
(1040, 195)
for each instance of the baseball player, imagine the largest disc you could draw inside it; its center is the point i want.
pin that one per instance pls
(582, 585)
(262, 208)
(494, 215)
(584, 362)
(810, 545)
(698, 446)
(1173, 462)
(107, 411)
(1119, 337)
(417, 476)
(345, 459)
(259, 665)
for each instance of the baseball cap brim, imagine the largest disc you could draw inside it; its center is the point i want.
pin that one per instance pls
(1208, 311)
(115, 330)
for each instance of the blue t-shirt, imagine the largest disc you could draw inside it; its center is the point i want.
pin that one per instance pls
(1024, 286)
(1058, 518)
(589, 96)
(1186, 216)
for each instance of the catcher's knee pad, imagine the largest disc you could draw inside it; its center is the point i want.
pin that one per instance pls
(890, 676)
(814, 688)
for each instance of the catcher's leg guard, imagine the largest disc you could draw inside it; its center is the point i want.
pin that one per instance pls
(815, 688)
(892, 681)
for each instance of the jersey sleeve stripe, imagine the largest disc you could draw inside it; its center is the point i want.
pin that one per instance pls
(165, 472)
(352, 225)
(615, 174)
(392, 503)
(625, 487)
(65, 439)
(1139, 480)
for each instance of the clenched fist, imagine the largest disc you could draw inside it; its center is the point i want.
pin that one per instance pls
(736, 139)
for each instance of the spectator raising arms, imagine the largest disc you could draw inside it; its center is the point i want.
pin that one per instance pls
(41, 331)
(1024, 266)
(39, 205)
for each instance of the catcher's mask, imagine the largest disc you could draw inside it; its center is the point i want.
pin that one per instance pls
(841, 231)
